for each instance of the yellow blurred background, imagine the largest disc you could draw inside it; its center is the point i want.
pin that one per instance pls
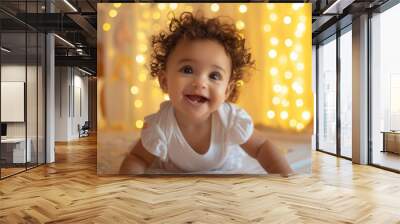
(278, 95)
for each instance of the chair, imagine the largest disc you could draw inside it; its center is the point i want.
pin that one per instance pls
(84, 130)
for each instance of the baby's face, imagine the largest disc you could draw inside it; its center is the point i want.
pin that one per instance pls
(197, 77)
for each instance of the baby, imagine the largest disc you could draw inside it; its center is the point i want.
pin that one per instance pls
(198, 63)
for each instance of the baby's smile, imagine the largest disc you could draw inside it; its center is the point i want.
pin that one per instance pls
(196, 99)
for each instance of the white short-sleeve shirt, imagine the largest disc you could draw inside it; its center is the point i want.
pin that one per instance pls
(231, 126)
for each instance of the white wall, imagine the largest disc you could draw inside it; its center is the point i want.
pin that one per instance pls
(61, 103)
(71, 93)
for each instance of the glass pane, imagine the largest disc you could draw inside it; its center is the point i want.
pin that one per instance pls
(327, 97)
(41, 98)
(14, 153)
(386, 89)
(346, 94)
(31, 97)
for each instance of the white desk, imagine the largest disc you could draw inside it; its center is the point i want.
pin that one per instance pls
(17, 146)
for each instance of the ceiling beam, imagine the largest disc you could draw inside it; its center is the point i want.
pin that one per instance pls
(337, 7)
(84, 24)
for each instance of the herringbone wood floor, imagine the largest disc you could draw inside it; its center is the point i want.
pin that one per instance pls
(69, 191)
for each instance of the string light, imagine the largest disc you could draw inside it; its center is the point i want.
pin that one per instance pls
(288, 42)
(140, 59)
(299, 126)
(113, 13)
(134, 90)
(297, 6)
(117, 5)
(138, 103)
(276, 100)
(106, 27)
(288, 75)
(287, 20)
(214, 7)
(274, 41)
(242, 8)
(142, 47)
(173, 6)
(306, 115)
(156, 15)
(298, 34)
(300, 66)
(277, 88)
(161, 6)
(299, 103)
(298, 47)
(273, 17)
(267, 28)
(285, 103)
(301, 27)
(240, 25)
(284, 115)
(297, 87)
(139, 124)
(270, 6)
(271, 114)
(272, 53)
(273, 71)
(293, 56)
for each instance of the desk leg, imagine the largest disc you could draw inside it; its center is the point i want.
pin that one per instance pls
(384, 142)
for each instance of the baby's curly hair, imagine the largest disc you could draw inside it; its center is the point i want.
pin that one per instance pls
(197, 27)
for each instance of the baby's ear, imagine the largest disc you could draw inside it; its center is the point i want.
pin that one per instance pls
(162, 79)
(229, 89)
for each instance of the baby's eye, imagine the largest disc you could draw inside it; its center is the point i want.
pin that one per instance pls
(187, 69)
(215, 76)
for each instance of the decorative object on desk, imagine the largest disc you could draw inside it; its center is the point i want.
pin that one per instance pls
(84, 130)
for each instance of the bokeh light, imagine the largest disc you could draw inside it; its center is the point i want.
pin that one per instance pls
(214, 7)
(278, 40)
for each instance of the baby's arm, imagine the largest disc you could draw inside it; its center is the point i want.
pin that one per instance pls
(137, 160)
(267, 154)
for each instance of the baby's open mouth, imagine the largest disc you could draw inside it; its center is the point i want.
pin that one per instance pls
(196, 98)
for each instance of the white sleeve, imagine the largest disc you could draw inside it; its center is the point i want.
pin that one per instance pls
(239, 124)
(153, 138)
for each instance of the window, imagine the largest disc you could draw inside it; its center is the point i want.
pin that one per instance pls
(346, 93)
(327, 96)
(385, 89)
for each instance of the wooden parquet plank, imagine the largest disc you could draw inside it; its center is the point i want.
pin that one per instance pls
(70, 191)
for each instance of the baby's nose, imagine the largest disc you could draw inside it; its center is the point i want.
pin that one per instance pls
(199, 82)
